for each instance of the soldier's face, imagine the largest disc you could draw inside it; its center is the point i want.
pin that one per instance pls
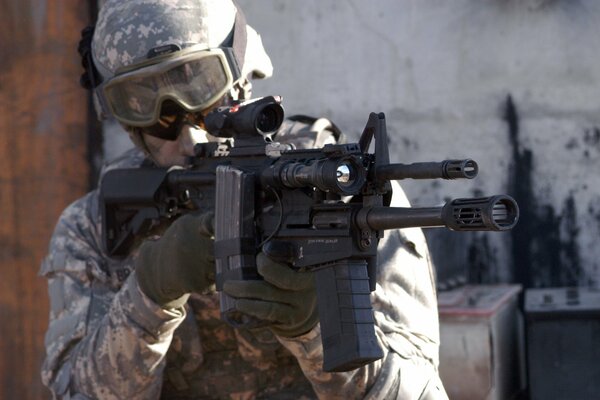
(167, 153)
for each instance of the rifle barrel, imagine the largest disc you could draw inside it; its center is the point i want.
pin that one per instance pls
(496, 213)
(447, 169)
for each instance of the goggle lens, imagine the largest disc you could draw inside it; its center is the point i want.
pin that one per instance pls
(194, 84)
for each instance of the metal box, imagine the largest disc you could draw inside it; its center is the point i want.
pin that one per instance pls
(482, 353)
(563, 343)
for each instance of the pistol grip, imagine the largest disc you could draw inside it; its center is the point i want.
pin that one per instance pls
(346, 316)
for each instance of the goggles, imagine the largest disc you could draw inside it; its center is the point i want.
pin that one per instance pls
(194, 79)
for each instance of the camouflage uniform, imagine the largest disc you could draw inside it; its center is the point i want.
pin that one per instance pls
(107, 340)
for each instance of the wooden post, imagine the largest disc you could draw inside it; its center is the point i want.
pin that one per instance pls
(43, 167)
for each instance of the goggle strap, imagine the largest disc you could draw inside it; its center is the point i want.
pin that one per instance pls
(91, 78)
(235, 68)
(239, 38)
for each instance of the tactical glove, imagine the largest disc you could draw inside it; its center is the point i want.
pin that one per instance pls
(179, 263)
(286, 298)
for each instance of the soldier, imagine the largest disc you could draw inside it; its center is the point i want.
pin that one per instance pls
(148, 326)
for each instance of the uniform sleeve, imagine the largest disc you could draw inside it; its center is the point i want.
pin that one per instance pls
(405, 310)
(105, 338)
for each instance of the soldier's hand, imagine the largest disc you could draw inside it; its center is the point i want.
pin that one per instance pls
(179, 263)
(286, 298)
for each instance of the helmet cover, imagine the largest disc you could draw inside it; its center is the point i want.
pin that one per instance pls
(127, 31)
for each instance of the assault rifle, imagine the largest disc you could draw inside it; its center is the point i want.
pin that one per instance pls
(330, 205)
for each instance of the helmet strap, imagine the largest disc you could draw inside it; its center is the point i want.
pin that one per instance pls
(136, 136)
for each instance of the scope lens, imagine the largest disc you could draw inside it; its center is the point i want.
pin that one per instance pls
(269, 119)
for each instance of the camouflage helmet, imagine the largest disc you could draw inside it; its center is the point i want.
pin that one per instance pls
(131, 35)
(126, 31)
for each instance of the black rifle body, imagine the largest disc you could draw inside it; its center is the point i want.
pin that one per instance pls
(328, 207)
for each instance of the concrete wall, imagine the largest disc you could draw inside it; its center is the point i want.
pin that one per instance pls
(512, 84)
